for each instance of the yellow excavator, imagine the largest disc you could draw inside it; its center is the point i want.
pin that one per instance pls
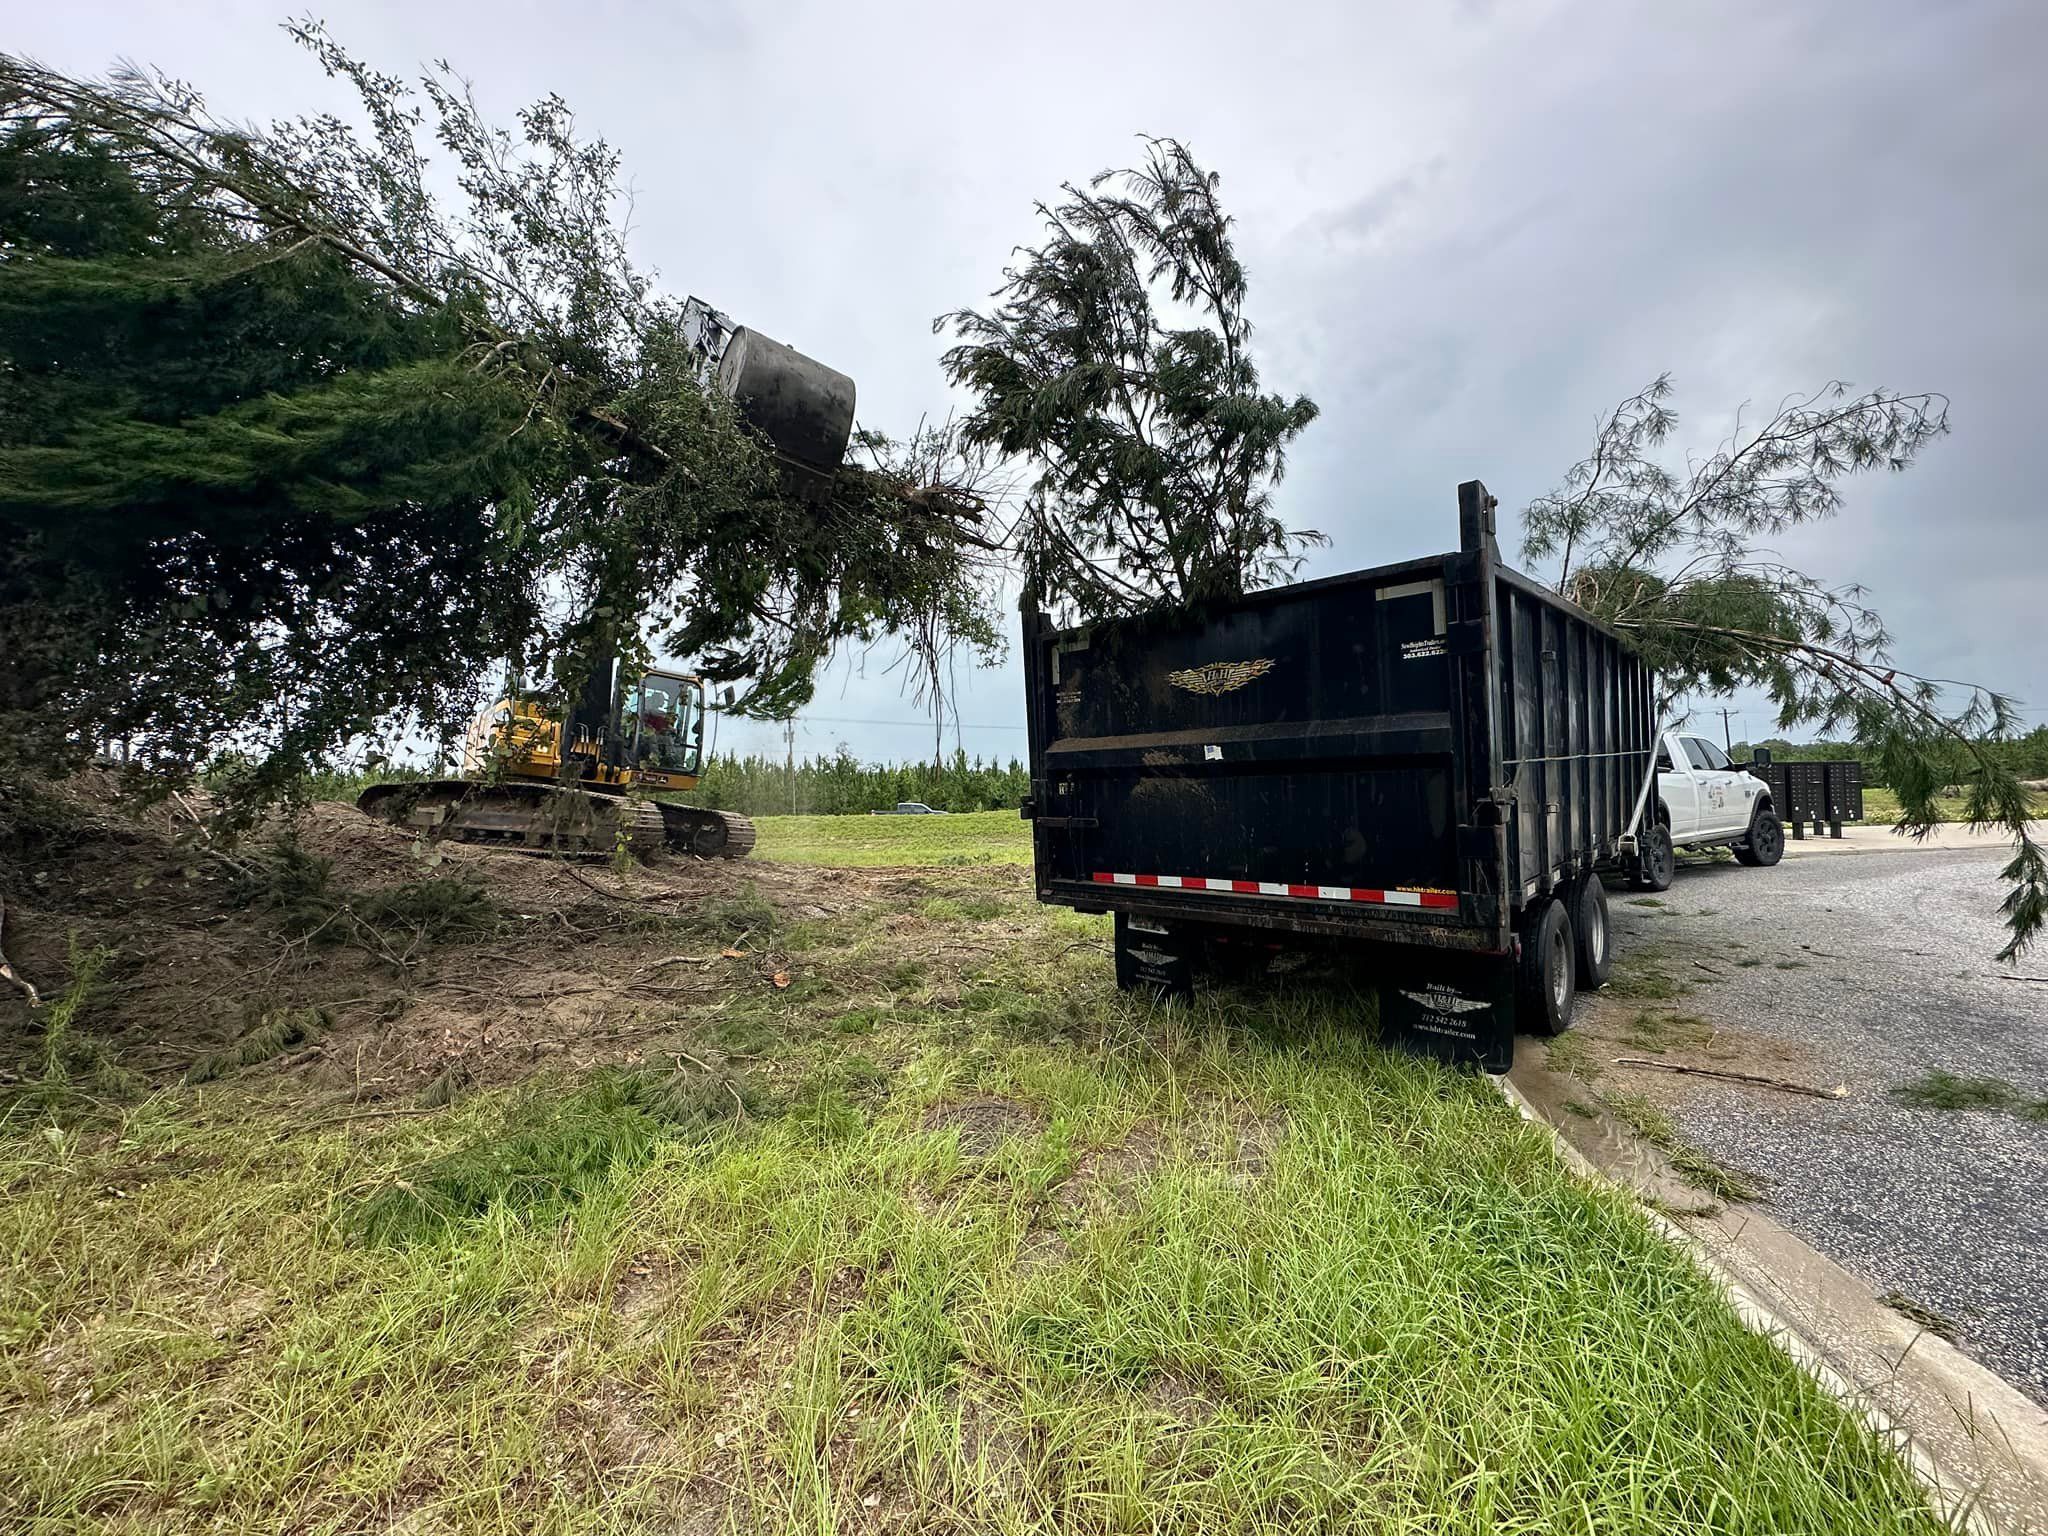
(539, 784)
(527, 789)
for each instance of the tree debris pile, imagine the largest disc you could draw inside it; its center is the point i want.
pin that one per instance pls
(325, 948)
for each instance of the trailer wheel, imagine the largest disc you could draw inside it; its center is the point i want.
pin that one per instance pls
(1656, 862)
(1765, 844)
(1592, 940)
(1546, 973)
(1239, 962)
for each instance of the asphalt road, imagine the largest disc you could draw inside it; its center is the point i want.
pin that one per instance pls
(1894, 978)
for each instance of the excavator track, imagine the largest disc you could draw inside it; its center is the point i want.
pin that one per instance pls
(555, 820)
(711, 834)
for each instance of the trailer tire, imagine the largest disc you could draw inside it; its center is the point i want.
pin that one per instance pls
(1656, 861)
(1238, 963)
(1546, 971)
(1765, 844)
(1592, 938)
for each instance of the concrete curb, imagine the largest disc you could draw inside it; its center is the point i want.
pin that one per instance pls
(1878, 837)
(1975, 1443)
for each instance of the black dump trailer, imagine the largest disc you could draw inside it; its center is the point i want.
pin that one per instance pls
(1427, 763)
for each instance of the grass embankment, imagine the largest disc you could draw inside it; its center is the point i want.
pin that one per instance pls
(1881, 807)
(943, 1234)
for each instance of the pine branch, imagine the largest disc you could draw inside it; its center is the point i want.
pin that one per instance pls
(1999, 801)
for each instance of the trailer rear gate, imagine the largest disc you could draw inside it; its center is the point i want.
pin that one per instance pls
(1405, 757)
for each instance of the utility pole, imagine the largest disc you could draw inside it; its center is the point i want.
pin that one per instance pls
(1727, 742)
(789, 743)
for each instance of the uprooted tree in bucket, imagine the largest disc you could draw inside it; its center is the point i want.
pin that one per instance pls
(373, 428)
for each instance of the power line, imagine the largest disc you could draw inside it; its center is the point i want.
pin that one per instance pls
(968, 725)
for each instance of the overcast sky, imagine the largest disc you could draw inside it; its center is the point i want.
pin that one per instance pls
(1469, 229)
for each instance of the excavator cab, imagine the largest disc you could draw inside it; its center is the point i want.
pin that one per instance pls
(661, 730)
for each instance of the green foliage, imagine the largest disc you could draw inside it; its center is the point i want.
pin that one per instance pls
(271, 1033)
(1945, 1090)
(1118, 361)
(73, 1070)
(65, 1056)
(86, 966)
(296, 442)
(298, 887)
(1673, 560)
(269, 507)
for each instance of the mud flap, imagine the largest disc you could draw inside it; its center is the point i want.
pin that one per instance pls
(1149, 958)
(1460, 1010)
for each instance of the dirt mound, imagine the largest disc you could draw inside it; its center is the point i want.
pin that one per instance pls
(333, 945)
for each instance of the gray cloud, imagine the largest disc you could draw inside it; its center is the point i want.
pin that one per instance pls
(1373, 215)
(1469, 230)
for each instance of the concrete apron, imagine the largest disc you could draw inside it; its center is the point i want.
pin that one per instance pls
(1977, 1444)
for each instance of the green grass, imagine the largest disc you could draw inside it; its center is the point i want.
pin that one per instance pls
(970, 1242)
(1572, 1054)
(1945, 1090)
(1639, 975)
(1651, 1123)
(1658, 1032)
(975, 837)
(1410, 1318)
(1881, 807)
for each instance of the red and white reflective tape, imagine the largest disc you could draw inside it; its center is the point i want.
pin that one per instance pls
(1445, 900)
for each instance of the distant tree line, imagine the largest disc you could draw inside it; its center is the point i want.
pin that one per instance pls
(2024, 757)
(842, 785)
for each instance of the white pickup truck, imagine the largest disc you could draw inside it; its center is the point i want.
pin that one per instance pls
(1703, 801)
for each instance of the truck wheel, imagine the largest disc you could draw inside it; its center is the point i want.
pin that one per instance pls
(1592, 946)
(1765, 844)
(1546, 982)
(1655, 861)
